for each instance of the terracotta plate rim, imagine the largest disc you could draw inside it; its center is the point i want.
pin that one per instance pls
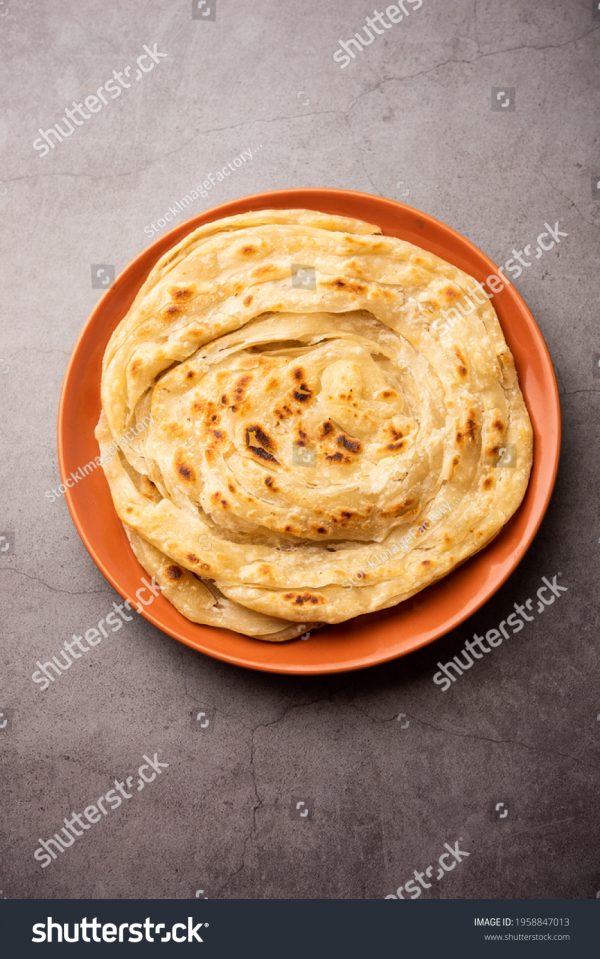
(317, 198)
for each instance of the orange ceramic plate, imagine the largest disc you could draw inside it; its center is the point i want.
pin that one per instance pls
(366, 640)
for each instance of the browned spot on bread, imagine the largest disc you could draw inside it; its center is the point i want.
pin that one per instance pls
(247, 300)
(352, 445)
(148, 489)
(455, 460)
(382, 294)
(260, 443)
(398, 509)
(173, 572)
(337, 457)
(459, 438)
(301, 599)
(493, 451)
(498, 425)
(248, 250)
(462, 371)
(396, 447)
(321, 529)
(326, 429)
(303, 394)
(171, 311)
(240, 387)
(488, 482)
(354, 267)
(426, 562)
(471, 424)
(283, 413)
(213, 418)
(262, 454)
(135, 367)
(218, 435)
(224, 399)
(231, 487)
(182, 293)
(186, 472)
(190, 375)
(260, 436)
(450, 293)
(264, 270)
(352, 286)
(347, 514)
(192, 558)
(298, 373)
(387, 393)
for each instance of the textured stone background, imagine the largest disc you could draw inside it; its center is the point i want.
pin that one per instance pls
(409, 118)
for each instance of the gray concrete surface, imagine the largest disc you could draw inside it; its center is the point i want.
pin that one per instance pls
(410, 118)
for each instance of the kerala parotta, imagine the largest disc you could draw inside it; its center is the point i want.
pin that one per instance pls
(300, 439)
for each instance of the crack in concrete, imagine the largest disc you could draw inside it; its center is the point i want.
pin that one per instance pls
(163, 156)
(258, 801)
(574, 392)
(478, 737)
(476, 25)
(475, 59)
(569, 200)
(344, 113)
(359, 155)
(53, 589)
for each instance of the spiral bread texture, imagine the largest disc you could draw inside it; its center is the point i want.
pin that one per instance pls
(299, 439)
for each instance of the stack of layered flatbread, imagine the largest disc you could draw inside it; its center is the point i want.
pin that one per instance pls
(300, 440)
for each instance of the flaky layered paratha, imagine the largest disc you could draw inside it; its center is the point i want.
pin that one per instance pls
(300, 439)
